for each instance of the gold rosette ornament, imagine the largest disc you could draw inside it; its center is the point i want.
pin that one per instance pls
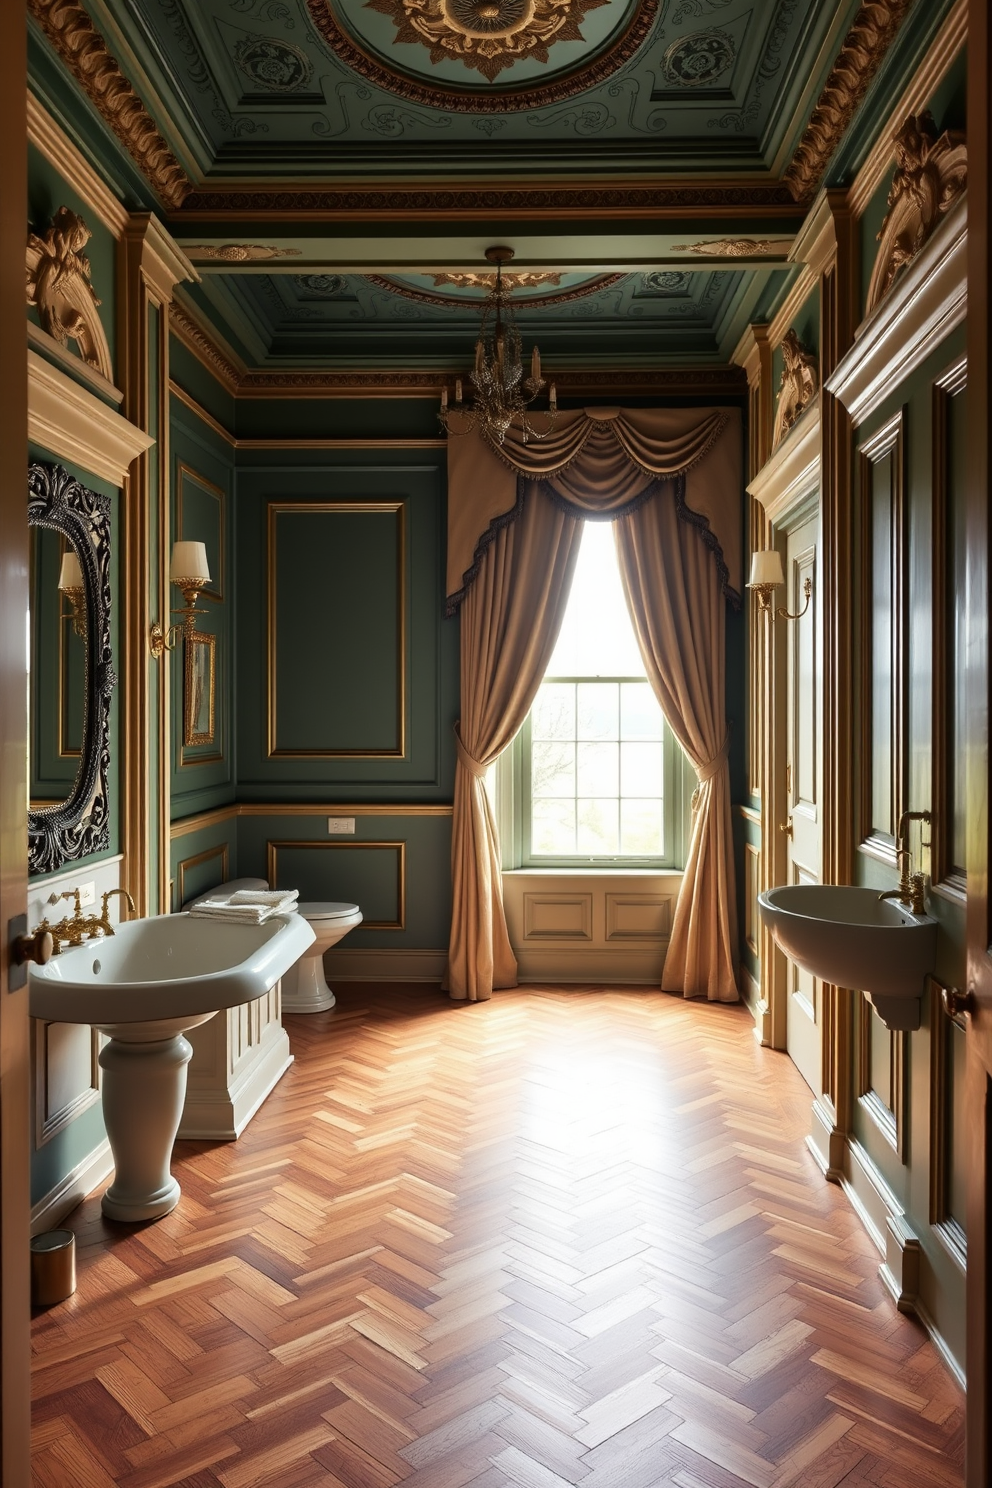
(488, 35)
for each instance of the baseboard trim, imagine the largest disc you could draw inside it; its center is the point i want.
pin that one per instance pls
(50, 1211)
(758, 1008)
(384, 966)
(221, 1115)
(941, 1345)
(569, 964)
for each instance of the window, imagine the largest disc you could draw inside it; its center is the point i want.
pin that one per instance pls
(595, 775)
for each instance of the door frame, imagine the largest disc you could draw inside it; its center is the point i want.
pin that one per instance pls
(979, 909)
(788, 487)
(15, 1320)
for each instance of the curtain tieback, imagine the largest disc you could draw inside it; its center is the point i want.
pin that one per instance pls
(709, 768)
(471, 765)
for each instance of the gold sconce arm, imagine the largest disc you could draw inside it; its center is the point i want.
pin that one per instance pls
(160, 640)
(807, 591)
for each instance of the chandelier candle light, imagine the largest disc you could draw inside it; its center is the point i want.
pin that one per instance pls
(501, 393)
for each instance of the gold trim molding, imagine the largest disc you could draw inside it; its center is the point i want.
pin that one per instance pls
(74, 424)
(58, 149)
(859, 58)
(74, 37)
(218, 815)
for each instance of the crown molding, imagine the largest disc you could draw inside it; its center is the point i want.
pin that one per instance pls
(303, 202)
(74, 424)
(82, 49)
(793, 470)
(412, 384)
(57, 148)
(219, 359)
(862, 50)
(923, 306)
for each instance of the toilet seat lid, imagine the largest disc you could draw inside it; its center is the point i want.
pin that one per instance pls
(326, 910)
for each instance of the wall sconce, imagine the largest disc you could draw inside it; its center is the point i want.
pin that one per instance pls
(71, 585)
(767, 575)
(189, 572)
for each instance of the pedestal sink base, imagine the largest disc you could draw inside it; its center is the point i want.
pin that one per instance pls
(144, 1086)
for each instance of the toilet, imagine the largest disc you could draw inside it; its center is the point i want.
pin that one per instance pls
(304, 989)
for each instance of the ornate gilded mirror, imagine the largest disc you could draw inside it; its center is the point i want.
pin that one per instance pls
(71, 673)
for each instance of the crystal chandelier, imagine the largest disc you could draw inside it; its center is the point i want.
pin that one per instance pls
(501, 393)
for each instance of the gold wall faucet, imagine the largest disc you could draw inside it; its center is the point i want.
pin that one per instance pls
(108, 928)
(912, 886)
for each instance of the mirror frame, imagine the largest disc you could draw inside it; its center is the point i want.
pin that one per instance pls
(80, 825)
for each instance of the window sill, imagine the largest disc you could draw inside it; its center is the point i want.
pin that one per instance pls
(594, 870)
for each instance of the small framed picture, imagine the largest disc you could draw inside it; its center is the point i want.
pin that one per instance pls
(200, 689)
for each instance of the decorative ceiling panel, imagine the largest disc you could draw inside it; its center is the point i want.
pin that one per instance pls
(307, 319)
(264, 89)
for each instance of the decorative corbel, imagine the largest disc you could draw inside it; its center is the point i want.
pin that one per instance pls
(800, 380)
(931, 175)
(58, 282)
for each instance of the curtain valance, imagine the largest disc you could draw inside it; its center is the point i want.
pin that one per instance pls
(599, 460)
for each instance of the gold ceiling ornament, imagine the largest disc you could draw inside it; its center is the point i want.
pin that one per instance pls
(800, 380)
(522, 298)
(487, 35)
(432, 93)
(241, 252)
(501, 392)
(866, 43)
(84, 51)
(737, 247)
(58, 283)
(931, 175)
(519, 279)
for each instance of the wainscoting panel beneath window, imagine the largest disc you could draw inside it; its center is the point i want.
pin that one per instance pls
(575, 925)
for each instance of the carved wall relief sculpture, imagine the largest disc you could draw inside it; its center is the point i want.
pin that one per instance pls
(58, 282)
(241, 252)
(737, 247)
(800, 380)
(930, 176)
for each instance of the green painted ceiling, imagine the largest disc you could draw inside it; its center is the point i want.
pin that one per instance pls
(335, 320)
(253, 88)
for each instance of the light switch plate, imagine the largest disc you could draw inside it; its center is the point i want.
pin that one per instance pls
(87, 893)
(341, 826)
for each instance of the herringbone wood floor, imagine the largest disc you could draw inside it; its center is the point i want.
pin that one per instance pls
(559, 1238)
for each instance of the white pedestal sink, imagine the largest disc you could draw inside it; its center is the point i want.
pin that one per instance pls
(852, 938)
(146, 986)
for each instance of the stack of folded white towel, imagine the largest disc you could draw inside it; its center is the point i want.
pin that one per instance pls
(248, 906)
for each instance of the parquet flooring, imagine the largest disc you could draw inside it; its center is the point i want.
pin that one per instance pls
(560, 1238)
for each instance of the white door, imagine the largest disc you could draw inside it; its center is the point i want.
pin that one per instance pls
(802, 786)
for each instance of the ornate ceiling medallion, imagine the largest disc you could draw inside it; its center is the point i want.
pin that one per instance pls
(698, 61)
(487, 282)
(522, 279)
(488, 36)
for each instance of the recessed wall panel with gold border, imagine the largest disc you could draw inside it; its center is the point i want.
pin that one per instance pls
(67, 1076)
(359, 877)
(339, 639)
(188, 528)
(884, 639)
(186, 867)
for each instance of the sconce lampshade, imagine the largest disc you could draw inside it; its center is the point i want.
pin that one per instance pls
(766, 568)
(70, 574)
(189, 561)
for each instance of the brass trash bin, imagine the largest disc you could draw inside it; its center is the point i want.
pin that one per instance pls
(53, 1267)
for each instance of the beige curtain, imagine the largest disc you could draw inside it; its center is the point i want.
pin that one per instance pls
(509, 624)
(675, 601)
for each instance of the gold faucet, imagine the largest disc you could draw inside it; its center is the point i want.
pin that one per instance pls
(108, 928)
(77, 927)
(911, 890)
